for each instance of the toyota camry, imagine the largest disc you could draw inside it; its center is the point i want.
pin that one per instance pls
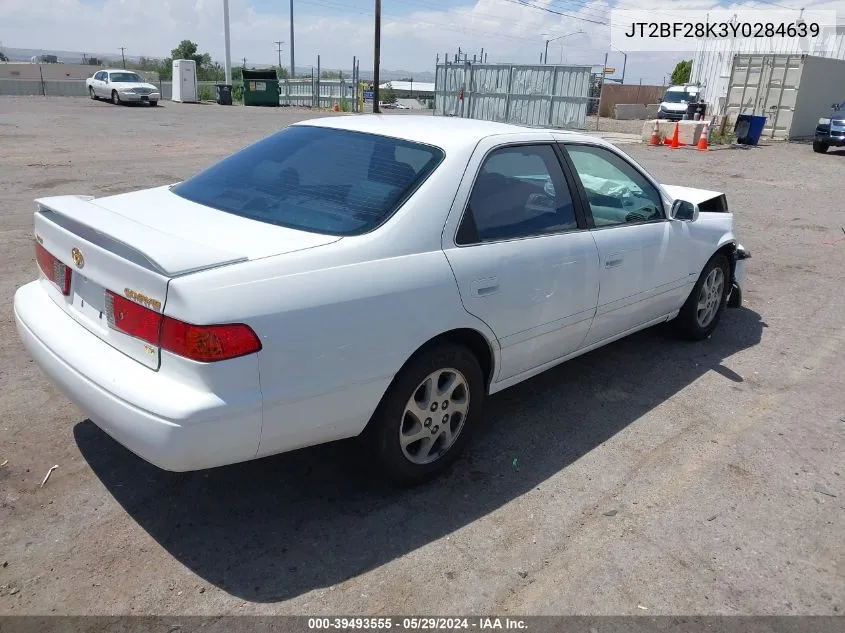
(362, 276)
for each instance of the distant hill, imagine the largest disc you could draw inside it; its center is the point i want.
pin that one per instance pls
(76, 57)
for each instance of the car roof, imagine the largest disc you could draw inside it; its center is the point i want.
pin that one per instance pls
(443, 131)
(119, 70)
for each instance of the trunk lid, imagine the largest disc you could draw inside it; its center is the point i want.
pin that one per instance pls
(133, 244)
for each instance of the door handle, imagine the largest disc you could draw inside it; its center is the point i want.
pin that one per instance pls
(613, 263)
(485, 287)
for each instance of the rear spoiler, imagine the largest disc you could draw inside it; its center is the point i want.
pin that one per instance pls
(154, 249)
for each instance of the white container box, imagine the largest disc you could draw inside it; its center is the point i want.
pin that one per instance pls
(185, 80)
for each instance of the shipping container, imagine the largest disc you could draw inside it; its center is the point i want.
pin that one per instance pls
(791, 91)
(713, 58)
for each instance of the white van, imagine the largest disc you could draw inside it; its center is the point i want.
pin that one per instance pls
(675, 101)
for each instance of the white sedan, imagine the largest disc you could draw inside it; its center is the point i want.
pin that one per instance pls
(122, 86)
(365, 276)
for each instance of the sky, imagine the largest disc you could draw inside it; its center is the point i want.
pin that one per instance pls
(413, 31)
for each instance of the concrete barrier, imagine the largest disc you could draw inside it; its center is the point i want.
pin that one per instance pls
(632, 111)
(629, 111)
(688, 131)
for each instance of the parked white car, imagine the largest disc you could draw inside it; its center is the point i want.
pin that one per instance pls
(122, 86)
(367, 276)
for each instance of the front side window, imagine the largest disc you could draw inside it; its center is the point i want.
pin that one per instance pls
(316, 179)
(617, 193)
(519, 192)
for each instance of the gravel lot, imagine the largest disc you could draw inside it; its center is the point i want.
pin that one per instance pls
(652, 477)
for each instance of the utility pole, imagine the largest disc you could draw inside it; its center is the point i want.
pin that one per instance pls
(279, 47)
(123, 48)
(376, 56)
(601, 89)
(244, 66)
(228, 60)
(292, 65)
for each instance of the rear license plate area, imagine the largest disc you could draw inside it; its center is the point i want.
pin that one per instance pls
(89, 300)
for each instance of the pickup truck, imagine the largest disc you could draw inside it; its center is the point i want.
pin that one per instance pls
(830, 130)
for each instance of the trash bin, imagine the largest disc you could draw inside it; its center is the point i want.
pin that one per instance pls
(698, 108)
(749, 128)
(223, 94)
(261, 87)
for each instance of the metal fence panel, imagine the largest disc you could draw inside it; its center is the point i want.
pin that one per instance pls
(48, 87)
(542, 95)
(294, 92)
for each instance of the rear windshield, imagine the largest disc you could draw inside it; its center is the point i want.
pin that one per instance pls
(315, 179)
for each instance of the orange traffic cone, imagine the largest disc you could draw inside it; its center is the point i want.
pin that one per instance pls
(655, 134)
(703, 145)
(675, 144)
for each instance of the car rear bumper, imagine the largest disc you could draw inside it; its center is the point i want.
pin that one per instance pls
(174, 425)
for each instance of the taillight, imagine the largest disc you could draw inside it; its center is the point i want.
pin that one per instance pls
(208, 343)
(133, 319)
(53, 269)
(203, 343)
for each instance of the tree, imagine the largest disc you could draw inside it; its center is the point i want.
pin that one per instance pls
(387, 95)
(3, 57)
(331, 74)
(682, 72)
(186, 50)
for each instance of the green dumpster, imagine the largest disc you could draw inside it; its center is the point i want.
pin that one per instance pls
(261, 87)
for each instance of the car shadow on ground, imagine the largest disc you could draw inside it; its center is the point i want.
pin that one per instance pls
(275, 528)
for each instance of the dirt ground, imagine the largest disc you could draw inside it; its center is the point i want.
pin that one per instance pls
(653, 476)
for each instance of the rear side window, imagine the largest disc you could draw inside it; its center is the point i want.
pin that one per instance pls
(316, 179)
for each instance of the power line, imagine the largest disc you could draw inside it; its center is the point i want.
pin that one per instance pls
(439, 25)
(566, 15)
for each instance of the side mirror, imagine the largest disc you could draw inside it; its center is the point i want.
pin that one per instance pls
(684, 211)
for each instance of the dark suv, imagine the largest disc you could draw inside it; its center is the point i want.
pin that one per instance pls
(830, 130)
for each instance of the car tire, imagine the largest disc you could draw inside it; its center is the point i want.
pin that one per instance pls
(91, 93)
(445, 384)
(820, 147)
(703, 309)
(115, 98)
(153, 103)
